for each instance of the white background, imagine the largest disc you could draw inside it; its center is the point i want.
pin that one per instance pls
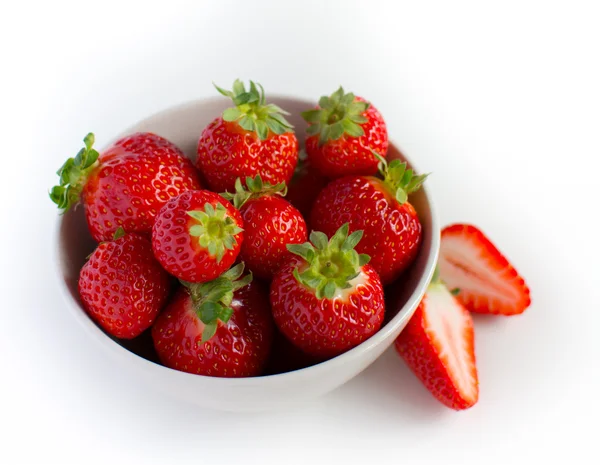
(500, 100)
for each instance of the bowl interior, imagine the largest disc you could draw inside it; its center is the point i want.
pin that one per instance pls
(183, 125)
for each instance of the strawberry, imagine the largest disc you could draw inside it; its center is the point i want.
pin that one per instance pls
(304, 186)
(392, 230)
(219, 328)
(248, 139)
(343, 133)
(327, 299)
(270, 223)
(438, 346)
(486, 281)
(197, 236)
(122, 286)
(126, 185)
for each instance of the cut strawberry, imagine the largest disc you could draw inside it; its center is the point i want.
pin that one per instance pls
(438, 346)
(486, 281)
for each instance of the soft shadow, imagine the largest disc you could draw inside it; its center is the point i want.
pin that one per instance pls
(390, 388)
(492, 322)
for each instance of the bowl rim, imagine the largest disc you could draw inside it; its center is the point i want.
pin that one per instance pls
(141, 363)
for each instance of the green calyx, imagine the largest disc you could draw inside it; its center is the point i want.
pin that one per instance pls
(73, 175)
(215, 229)
(337, 115)
(212, 300)
(251, 111)
(254, 188)
(331, 264)
(119, 233)
(399, 180)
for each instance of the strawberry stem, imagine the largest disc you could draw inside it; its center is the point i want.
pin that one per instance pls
(255, 188)
(212, 300)
(399, 180)
(252, 112)
(215, 229)
(331, 264)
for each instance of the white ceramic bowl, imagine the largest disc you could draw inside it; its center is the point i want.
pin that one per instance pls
(183, 125)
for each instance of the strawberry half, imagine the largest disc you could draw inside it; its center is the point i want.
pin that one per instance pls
(438, 346)
(486, 281)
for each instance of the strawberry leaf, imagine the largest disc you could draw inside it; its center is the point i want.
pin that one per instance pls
(352, 241)
(330, 264)
(231, 114)
(351, 128)
(73, 175)
(340, 113)
(252, 113)
(209, 331)
(254, 189)
(401, 196)
(398, 179)
(212, 300)
(262, 129)
(311, 116)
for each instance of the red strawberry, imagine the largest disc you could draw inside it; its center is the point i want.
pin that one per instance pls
(438, 346)
(197, 236)
(270, 223)
(122, 286)
(343, 133)
(126, 185)
(327, 300)
(486, 281)
(249, 139)
(220, 328)
(392, 230)
(305, 186)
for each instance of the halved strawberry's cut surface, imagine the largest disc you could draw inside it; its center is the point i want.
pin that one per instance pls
(438, 346)
(486, 281)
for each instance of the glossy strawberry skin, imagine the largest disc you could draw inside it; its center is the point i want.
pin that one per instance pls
(420, 348)
(350, 155)
(325, 328)
(179, 252)
(392, 232)
(226, 151)
(135, 177)
(270, 223)
(123, 287)
(239, 348)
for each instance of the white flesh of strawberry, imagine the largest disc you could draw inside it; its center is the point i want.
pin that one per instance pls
(446, 322)
(344, 294)
(477, 276)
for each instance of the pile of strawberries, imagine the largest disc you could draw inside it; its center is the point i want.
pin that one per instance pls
(257, 260)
